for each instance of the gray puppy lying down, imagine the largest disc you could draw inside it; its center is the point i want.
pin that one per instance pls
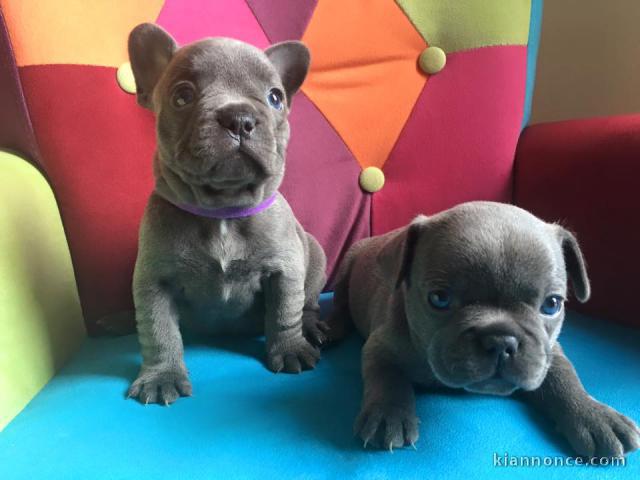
(470, 298)
(219, 247)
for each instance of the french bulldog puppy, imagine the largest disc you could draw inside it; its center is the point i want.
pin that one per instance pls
(219, 247)
(470, 298)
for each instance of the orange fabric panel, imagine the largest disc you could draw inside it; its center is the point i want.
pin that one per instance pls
(364, 75)
(90, 32)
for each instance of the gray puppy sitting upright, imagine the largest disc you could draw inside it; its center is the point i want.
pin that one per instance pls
(470, 298)
(219, 246)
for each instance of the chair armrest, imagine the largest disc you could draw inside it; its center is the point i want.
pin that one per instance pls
(586, 174)
(40, 318)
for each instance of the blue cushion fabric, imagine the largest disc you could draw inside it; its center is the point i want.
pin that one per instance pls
(245, 422)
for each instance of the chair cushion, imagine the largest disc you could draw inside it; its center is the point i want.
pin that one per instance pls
(245, 422)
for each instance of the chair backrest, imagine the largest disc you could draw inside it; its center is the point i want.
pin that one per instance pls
(428, 96)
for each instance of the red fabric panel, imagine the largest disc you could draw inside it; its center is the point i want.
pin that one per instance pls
(460, 139)
(96, 146)
(586, 173)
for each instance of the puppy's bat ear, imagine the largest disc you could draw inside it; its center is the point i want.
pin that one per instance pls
(575, 264)
(397, 253)
(291, 60)
(150, 50)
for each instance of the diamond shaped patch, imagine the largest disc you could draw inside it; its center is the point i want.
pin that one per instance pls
(364, 76)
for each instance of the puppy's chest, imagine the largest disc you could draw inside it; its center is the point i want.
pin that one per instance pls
(223, 267)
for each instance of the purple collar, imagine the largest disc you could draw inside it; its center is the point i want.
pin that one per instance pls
(229, 212)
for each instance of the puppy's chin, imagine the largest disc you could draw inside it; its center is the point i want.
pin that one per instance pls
(492, 386)
(220, 195)
(181, 187)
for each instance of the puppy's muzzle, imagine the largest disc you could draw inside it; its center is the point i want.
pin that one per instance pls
(502, 347)
(238, 119)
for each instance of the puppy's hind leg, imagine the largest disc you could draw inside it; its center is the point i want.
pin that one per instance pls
(313, 328)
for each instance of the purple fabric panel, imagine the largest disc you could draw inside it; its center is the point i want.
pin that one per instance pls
(321, 184)
(16, 133)
(283, 19)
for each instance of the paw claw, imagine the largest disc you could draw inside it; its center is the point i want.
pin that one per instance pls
(387, 426)
(295, 358)
(314, 329)
(160, 386)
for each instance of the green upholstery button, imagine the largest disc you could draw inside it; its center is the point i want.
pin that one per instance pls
(125, 78)
(371, 179)
(432, 60)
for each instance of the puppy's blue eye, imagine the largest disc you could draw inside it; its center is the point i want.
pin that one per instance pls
(551, 305)
(440, 299)
(275, 98)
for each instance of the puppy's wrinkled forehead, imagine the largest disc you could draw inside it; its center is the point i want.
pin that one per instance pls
(494, 258)
(223, 64)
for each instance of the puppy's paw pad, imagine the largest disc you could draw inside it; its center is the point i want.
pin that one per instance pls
(387, 426)
(293, 358)
(162, 387)
(600, 431)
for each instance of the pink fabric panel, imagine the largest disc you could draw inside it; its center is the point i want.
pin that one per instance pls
(460, 139)
(321, 183)
(190, 20)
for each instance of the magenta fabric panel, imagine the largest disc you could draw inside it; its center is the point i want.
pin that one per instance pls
(16, 133)
(321, 183)
(460, 139)
(283, 19)
(191, 20)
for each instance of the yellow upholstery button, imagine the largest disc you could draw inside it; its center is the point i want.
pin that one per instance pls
(371, 179)
(432, 60)
(125, 78)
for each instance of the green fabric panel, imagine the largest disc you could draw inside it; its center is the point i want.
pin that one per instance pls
(455, 25)
(40, 318)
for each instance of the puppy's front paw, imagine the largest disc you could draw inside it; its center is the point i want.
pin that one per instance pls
(293, 357)
(597, 430)
(314, 329)
(160, 386)
(387, 426)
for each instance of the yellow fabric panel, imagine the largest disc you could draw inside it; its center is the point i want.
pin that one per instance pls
(87, 32)
(455, 25)
(40, 318)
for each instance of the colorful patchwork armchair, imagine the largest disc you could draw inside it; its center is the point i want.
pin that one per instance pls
(411, 106)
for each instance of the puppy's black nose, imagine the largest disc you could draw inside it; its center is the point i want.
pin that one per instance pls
(238, 120)
(501, 346)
